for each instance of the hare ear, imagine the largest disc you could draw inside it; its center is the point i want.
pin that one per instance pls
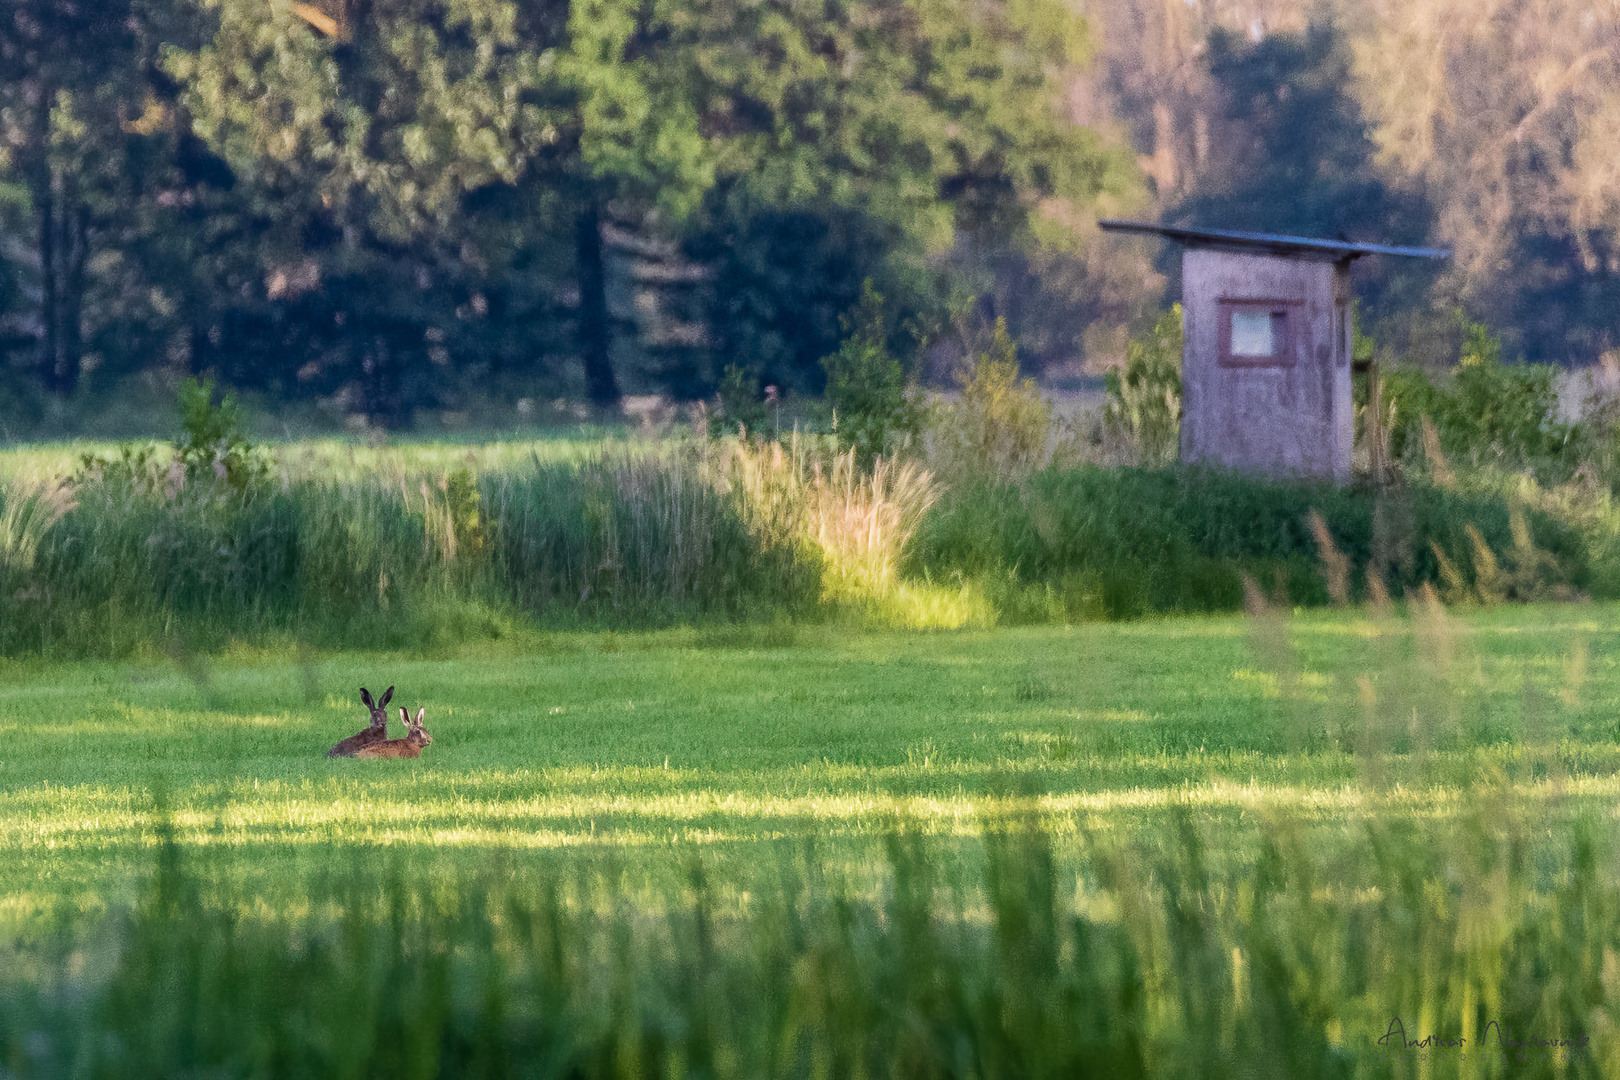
(419, 714)
(404, 716)
(388, 693)
(365, 698)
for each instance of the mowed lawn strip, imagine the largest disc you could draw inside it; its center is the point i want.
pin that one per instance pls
(663, 746)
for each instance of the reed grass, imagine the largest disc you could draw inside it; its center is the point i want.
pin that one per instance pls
(429, 545)
(386, 552)
(1093, 542)
(1456, 950)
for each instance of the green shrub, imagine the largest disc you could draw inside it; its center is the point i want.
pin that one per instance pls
(1127, 542)
(1485, 411)
(1144, 401)
(742, 408)
(1001, 427)
(215, 441)
(874, 412)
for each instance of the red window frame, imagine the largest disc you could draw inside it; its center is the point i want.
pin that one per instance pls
(1285, 315)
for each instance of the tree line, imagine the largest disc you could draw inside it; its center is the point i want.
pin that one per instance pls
(385, 200)
(391, 204)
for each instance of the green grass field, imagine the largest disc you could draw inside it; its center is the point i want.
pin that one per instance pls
(665, 745)
(1221, 846)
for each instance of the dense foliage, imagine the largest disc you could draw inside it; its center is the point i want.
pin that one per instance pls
(1000, 425)
(1125, 542)
(140, 547)
(872, 408)
(409, 204)
(1144, 399)
(1486, 410)
(388, 205)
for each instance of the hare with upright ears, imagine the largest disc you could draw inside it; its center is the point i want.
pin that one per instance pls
(410, 746)
(376, 733)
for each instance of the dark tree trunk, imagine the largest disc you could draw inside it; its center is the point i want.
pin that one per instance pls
(381, 404)
(48, 345)
(595, 332)
(76, 253)
(63, 252)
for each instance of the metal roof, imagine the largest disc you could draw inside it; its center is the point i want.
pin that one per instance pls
(1272, 243)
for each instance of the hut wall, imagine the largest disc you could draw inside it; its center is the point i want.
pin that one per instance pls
(1287, 412)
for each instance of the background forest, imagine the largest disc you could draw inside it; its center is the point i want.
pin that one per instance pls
(374, 207)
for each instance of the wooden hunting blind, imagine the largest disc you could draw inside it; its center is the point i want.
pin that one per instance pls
(1267, 331)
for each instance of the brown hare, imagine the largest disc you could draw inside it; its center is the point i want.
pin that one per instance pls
(376, 733)
(410, 746)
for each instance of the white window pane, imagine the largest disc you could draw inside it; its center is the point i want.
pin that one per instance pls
(1251, 333)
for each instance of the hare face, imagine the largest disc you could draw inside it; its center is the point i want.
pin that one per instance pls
(379, 709)
(375, 733)
(413, 728)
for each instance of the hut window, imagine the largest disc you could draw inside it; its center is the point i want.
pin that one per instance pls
(1252, 334)
(1256, 333)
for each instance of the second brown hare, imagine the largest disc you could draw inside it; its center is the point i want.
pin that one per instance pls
(410, 746)
(376, 733)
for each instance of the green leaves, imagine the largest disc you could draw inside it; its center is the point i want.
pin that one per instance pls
(638, 129)
(1144, 401)
(376, 204)
(875, 412)
(1486, 407)
(215, 447)
(421, 105)
(1002, 428)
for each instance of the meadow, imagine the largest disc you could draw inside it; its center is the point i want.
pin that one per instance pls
(719, 741)
(1247, 842)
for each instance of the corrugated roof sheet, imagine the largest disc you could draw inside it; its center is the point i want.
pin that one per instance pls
(1272, 243)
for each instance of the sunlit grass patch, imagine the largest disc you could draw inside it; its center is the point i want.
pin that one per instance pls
(672, 740)
(1278, 831)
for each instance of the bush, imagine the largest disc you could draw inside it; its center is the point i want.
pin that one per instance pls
(742, 409)
(1002, 427)
(1485, 412)
(1123, 542)
(1144, 401)
(214, 437)
(873, 410)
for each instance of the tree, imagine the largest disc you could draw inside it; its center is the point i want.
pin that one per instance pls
(80, 136)
(391, 125)
(1511, 122)
(368, 138)
(1296, 157)
(876, 139)
(874, 410)
(376, 200)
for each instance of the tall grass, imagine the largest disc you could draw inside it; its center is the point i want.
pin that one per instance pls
(134, 551)
(643, 539)
(857, 521)
(1122, 542)
(378, 555)
(1125, 961)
